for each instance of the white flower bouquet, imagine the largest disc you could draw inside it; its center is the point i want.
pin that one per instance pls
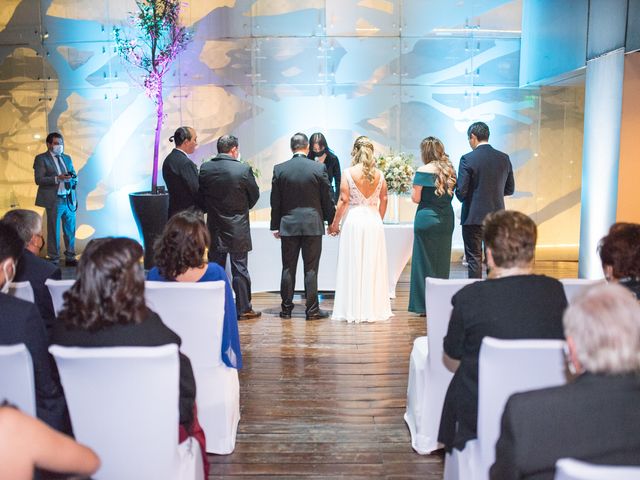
(398, 171)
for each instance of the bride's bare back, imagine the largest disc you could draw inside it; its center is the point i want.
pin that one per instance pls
(363, 184)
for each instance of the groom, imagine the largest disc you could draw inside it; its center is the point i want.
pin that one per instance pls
(300, 203)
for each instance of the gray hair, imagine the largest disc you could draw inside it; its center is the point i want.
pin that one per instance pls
(226, 143)
(604, 323)
(26, 222)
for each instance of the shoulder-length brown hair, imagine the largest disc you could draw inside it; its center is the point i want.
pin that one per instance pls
(109, 288)
(182, 245)
(432, 151)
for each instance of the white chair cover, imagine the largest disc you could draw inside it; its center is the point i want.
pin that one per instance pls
(22, 290)
(506, 367)
(571, 469)
(195, 311)
(573, 286)
(428, 376)
(123, 403)
(16, 378)
(57, 289)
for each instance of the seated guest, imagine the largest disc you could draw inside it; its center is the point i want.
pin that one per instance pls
(596, 417)
(620, 255)
(28, 443)
(180, 257)
(20, 322)
(32, 268)
(511, 304)
(105, 307)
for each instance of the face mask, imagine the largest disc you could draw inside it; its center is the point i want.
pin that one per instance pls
(57, 149)
(320, 153)
(8, 279)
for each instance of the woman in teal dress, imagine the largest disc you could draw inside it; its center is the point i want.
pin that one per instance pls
(433, 187)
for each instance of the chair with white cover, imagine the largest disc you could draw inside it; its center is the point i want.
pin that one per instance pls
(571, 469)
(195, 311)
(123, 403)
(505, 367)
(22, 290)
(57, 289)
(17, 384)
(573, 286)
(428, 376)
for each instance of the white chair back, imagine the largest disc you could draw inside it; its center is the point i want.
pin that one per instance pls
(438, 296)
(195, 311)
(16, 378)
(57, 289)
(573, 286)
(570, 469)
(22, 290)
(123, 403)
(428, 376)
(507, 367)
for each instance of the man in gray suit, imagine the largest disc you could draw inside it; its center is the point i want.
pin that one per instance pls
(300, 203)
(56, 179)
(485, 176)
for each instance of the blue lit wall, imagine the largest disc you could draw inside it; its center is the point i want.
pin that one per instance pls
(396, 71)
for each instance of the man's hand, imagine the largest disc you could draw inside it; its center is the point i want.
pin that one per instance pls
(63, 177)
(334, 230)
(276, 233)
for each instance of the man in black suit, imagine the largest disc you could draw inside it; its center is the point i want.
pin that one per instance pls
(32, 268)
(20, 322)
(229, 190)
(595, 418)
(56, 179)
(485, 176)
(180, 173)
(300, 203)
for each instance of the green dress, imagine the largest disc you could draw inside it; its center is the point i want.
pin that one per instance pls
(432, 228)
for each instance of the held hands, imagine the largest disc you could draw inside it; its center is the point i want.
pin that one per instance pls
(276, 234)
(334, 229)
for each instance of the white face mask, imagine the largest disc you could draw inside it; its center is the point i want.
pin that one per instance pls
(57, 149)
(8, 278)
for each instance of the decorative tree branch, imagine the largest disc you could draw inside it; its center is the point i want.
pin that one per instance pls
(159, 39)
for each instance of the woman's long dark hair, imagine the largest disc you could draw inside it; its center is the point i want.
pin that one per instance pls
(182, 244)
(109, 289)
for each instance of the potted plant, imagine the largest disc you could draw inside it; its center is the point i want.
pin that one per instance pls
(156, 41)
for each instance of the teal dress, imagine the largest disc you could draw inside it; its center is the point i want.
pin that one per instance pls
(432, 228)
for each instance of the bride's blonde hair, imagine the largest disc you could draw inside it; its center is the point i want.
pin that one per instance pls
(362, 153)
(432, 150)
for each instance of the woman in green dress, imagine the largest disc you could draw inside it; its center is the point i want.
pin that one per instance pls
(433, 187)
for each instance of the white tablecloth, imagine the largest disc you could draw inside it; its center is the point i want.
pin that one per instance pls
(265, 261)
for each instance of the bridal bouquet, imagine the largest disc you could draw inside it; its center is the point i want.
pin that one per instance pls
(398, 171)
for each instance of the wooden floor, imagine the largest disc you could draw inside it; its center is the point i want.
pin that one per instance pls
(325, 400)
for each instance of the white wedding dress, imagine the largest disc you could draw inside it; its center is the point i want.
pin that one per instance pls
(362, 283)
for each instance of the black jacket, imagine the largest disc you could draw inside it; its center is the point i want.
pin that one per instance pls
(485, 176)
(228, 190)
(181, 177)
(20, 322)
(36, 271)
(333, 172)
(300, 197)
(595, 419)
(150, 333)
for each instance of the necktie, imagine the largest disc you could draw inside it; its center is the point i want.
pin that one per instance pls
(61, 165)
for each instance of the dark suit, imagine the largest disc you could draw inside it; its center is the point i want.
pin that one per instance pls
(36, 271)
(56, 203)
(181, 177)
(595, 419)
(300, 203)
(20, 322)
(151, 332)
(485, 176)
(229, 190)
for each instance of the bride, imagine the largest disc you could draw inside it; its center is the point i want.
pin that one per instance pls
(362, 284)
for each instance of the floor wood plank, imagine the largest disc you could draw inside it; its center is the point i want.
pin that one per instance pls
(325, 400)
